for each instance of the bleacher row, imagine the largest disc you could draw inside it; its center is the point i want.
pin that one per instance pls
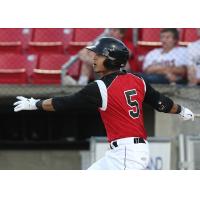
(36, 55)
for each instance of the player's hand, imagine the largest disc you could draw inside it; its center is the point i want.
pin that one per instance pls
(186, 114)
(25, 104)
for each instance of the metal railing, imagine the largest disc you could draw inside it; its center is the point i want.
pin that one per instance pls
(75, 57)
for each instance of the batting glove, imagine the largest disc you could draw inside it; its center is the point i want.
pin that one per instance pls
(25, 104)
(186, 114)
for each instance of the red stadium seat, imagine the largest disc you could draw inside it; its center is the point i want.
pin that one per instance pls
(151, 36)
(49, 69)
(86, 34)
(189, 35)
(14, 39)
(14, 68)
(82, 36)
(148, 39)
(129, 34)
(50, 40)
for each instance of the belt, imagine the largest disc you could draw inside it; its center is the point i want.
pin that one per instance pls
(116, 143)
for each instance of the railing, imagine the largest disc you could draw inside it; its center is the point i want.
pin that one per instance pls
(74, 58)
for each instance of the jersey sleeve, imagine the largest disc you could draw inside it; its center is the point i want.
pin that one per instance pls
(87, 98)
(157, 100)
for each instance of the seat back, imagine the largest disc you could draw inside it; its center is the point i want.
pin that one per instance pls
(15, 68)
(86, 34)
(190, 35)
(14, 39)
(49, 69)
(50, 40)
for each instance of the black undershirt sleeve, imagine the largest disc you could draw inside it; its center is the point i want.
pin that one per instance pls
(157, 100)
(87, 98)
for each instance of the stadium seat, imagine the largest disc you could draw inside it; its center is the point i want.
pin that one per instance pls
(82, 36)
(148, 39)
(129, 34)
(148, 36)
(189, 35)
(86, 34)
(50, 40)
(14, 39)
(14, 68)
(49, 69)
(151, 36)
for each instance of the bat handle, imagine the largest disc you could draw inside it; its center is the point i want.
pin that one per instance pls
(196, 115)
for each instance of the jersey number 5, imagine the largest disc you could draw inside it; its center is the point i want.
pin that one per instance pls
(135, 111)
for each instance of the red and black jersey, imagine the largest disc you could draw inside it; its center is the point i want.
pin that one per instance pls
(121, 110)
(119, 98)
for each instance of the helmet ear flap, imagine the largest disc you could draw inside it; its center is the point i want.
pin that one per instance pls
(109, 64)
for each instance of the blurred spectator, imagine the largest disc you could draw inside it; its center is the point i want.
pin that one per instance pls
(166, 64)
(194, 61)
(86, 74)
(86, 56)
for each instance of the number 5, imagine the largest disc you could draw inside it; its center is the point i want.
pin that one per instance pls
(132, 104)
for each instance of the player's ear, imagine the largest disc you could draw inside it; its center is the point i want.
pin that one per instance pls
(107, 63)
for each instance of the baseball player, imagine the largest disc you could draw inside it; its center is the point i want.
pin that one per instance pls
(118, 96)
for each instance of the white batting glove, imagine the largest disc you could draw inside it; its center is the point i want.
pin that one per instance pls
(186, 114)
(25, 104)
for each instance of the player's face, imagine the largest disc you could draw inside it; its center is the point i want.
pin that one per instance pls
(98, 65)
(167, 40)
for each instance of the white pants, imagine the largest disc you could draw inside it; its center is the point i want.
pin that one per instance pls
(127, 156)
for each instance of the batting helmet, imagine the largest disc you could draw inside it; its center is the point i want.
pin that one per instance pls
(114, 50)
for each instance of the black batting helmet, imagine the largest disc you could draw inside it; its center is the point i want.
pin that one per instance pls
(114, 50)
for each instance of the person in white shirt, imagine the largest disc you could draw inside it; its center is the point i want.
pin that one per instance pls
(194, 61)
(167, 64)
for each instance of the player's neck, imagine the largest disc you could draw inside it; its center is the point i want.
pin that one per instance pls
(108, 72)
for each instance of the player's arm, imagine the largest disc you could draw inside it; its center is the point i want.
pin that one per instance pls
(87, 98)
(45, 105)
(164, 104)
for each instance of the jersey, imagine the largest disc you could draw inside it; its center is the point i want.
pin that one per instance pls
(122, 112)
(118, 97)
